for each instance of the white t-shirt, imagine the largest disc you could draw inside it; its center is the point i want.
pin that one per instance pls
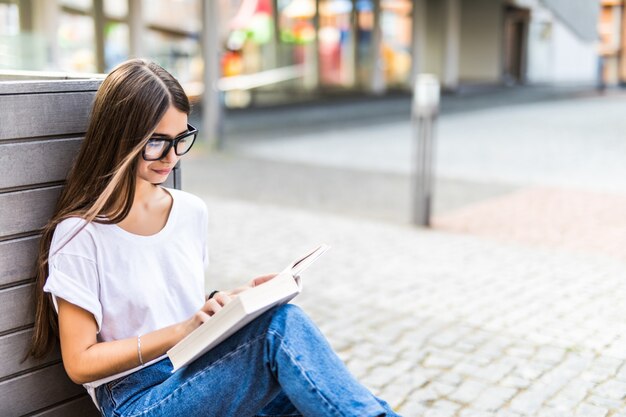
(132, 284)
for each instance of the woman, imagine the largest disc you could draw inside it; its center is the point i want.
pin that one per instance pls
(120, 281)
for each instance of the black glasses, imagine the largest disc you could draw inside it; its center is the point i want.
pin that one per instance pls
(157, 146)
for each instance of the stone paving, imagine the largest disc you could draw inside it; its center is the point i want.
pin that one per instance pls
(512, 306)
(443, 324)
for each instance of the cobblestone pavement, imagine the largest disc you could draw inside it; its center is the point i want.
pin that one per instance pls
(511, 306)
(443, 324)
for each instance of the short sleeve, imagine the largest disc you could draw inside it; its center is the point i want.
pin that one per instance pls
(75, 279)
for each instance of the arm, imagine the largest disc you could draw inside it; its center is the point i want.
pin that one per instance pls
(85, 359)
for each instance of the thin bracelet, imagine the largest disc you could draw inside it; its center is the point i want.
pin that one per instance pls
(213, 294)
(139, 350)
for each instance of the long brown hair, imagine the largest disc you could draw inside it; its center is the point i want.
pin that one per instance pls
(100, 187)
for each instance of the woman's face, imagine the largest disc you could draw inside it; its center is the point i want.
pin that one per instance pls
(173, 123)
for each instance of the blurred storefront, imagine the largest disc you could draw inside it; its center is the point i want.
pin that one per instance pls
(95, 35)
(612, 41)
(279, 51)
(323, 47)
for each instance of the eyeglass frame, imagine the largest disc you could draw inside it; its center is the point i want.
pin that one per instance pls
(172, 142)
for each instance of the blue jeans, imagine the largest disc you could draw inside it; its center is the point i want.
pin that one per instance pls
(278, 365)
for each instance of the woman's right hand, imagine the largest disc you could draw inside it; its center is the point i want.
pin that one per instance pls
(210, 307)
(220, 299)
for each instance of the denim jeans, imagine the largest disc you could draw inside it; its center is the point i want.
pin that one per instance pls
(278, 365)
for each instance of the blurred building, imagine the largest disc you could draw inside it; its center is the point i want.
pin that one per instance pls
(276, 51)
(612, 41)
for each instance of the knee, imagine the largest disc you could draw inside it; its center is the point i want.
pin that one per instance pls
(290, 312)
(289, 316)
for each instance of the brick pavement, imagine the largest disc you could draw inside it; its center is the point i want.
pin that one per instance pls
(444, 324)
(578, 220)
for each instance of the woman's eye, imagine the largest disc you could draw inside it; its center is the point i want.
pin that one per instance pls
(154, 144)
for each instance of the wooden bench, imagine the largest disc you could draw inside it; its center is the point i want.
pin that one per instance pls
(42, 123)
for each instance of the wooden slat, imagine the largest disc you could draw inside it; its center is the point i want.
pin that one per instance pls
(37, 390)
(16, 307)
(27, 211)
(80, 407)
(18, 259)
(48, 86)
(34, 115)
(37, 162)
(13, 347)
(31, 163)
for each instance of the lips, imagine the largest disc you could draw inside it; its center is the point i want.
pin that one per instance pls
(162, 171)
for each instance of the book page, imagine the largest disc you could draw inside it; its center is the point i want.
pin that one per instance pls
(306, 261)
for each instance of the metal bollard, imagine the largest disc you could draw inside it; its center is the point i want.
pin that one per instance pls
(426, 93)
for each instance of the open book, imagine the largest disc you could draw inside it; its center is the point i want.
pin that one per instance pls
(247, 306)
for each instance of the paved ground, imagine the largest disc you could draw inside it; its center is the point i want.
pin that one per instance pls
(512, 305)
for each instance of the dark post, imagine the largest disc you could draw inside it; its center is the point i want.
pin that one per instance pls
(211, 103)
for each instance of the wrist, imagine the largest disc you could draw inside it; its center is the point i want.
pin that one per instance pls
(186, 327)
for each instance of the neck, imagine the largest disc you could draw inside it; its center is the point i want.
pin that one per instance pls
(145, 192)
(150, 209)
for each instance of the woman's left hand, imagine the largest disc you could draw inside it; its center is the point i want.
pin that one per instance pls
(250, 284)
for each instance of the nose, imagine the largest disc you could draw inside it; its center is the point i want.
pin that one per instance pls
(170, 157)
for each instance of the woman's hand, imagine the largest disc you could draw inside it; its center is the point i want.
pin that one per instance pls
(212, 306)
(220, 299)
(250, 284)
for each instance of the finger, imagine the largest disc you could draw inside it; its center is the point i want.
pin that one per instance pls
(211, 307)
(263, 278)
(238, 290)
(222, 298)
(202, 316)
(214, 305)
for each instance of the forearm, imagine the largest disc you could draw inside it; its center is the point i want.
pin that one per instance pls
(104, 359)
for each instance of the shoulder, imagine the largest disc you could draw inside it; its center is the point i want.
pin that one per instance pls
(73, 235)
(188, 201)
(71, 225)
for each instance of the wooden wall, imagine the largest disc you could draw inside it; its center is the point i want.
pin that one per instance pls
(41, 126)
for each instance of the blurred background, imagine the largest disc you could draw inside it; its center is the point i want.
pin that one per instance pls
(318, 47)
(328, 83)
(512, 302)
(323, 46)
